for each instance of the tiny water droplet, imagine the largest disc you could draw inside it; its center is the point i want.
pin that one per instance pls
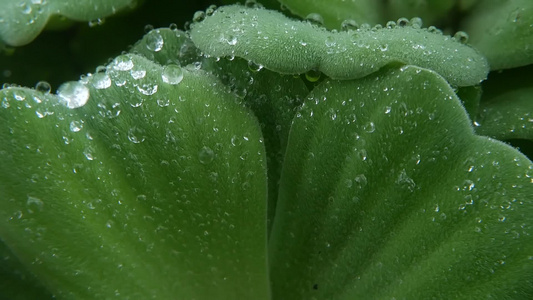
(461, 37)
(172, 74)
(43, 87)
(147, 89)
(369, 127)
(313, 75)
(136, 135)
(206, 155)
(254, 67)
(391, 24)
(315, 19)
(349, 25)
(154, 41)
(101, 81)
(76, 126)
(122, 63)
(416, 22)
(73, 94)
(403, 22)
(34, 204)
(199, 16)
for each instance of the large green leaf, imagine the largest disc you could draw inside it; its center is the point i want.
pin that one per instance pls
(387, 193)
(22, 21)
(155, 188)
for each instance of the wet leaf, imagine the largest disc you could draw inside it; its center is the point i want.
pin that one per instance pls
(152, 189)
(386, 192)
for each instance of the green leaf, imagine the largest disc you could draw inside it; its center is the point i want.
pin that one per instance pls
(429, 10)
(288, 46)
(334, 12)
(16, 283)
(508, 116)
(387, 193)
(502, 31)
(22, 21)
(155, 188)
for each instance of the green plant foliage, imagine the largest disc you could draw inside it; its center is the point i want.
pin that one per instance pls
(161, 165)
(22, 21)
(252, 155)
(508, 116)
(358, 219)
(334, 12)
(429, 10)
(291, 47)
(503, 32)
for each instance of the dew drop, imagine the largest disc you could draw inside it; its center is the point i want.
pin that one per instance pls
(315, 19)
(96, 22)
(461, 37)
(416, 22)
(101, 81)
(211, 10)
(43, 87)
(206, 155)
(136, 135)
(73, 94)
(172, 74)
(76, 126)
(173, 26)
(137, 74)
(231, 40)
(154, 41)
(199, 16)
(403, 22)
(349, 25)
(123, 63)
(369, 127)
(391, 24)
(330, 41)
(254, 67)
(34, 204)
(147, 89)
(313, 75)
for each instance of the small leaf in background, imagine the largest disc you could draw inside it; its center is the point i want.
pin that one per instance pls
(508, 116)
(334, 12)
(430, 11)
(387, 193)
(153, 189)
(503, 32)
(22, 21)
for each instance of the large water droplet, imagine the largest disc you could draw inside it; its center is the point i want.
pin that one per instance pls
(172, 74)
(73, 93)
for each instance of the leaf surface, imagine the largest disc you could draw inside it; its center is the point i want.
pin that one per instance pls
(387, 193)
(155, 188)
